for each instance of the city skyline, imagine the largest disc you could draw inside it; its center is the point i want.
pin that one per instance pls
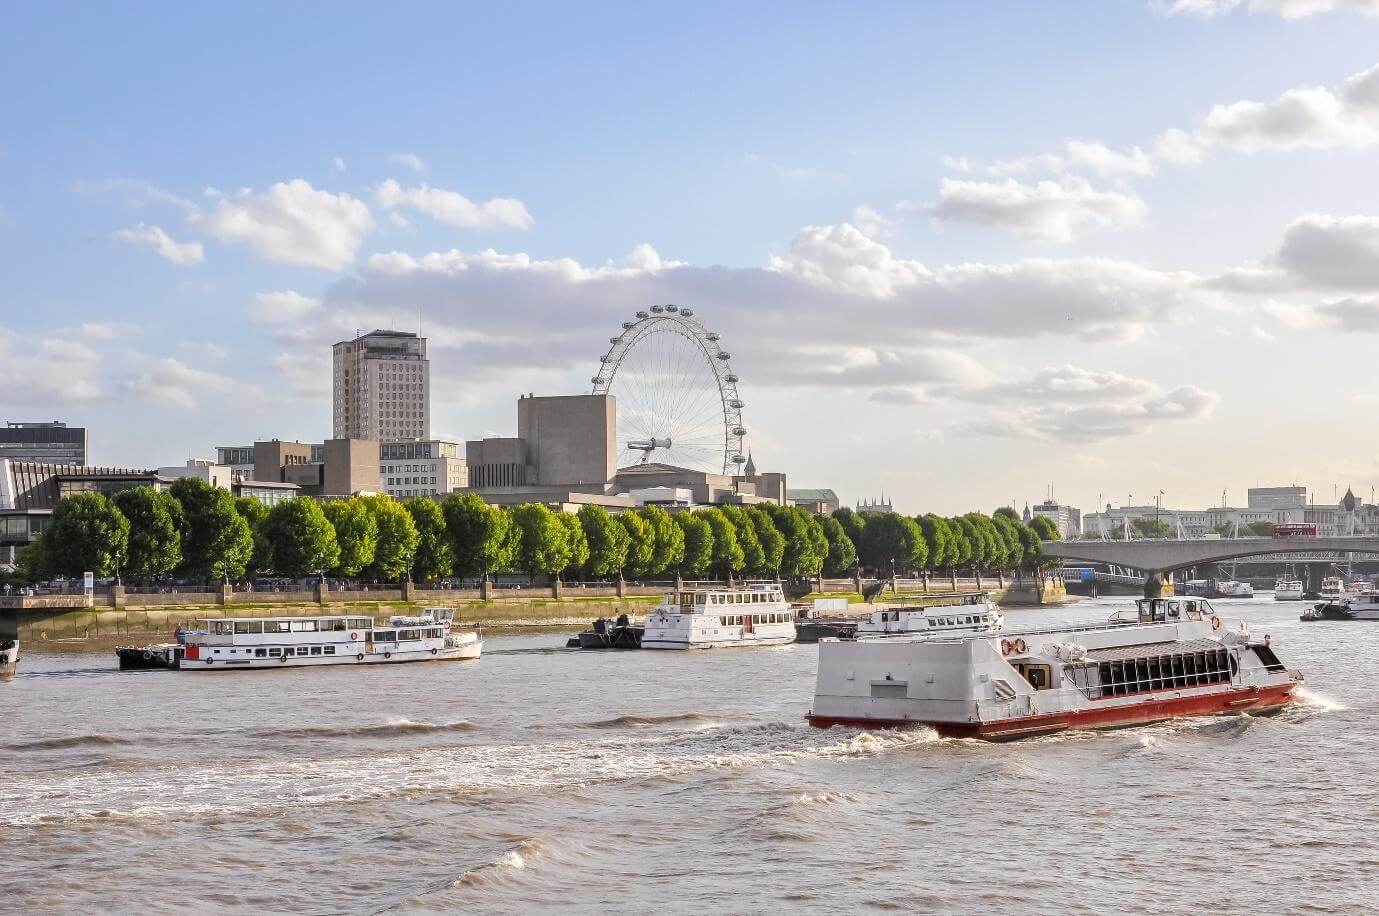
(1176, 294)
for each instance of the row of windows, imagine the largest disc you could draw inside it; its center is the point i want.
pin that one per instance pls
(276, 653)
(296, 625)
(1163, 672)
(736, 620)
(404, 481)
(742, 598)
(407, 635)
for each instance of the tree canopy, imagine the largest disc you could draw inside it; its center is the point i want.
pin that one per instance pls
(216, 541)
(606, 539)
(397, 538)
(155, 537)
(86, 534)
(481, 535)
(301, 538)
(356, 531)
(434, 558)
(542, 545)
(697, 543)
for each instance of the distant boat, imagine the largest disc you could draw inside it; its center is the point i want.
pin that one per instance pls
(9, 657)
(707, 618)
(1288, 590)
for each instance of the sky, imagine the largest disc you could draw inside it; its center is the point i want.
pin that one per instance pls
(961, 253)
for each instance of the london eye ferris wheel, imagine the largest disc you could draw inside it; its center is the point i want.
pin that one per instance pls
(676, 393)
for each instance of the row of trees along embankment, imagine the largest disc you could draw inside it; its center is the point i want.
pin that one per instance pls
(194, 531)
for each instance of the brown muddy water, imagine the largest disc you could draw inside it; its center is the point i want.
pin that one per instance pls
(544, 778)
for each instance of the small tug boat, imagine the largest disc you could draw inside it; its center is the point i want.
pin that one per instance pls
(707, 618)
(1288, 590)
(9, 657)
(1363, 606)
(1170, 659)
(287, 642)
(620, 634)
(157, 657)
(969, 613)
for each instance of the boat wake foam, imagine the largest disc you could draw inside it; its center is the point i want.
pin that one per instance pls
(632, 721)
(1318, 701)
(383, 730)
(514, 860)
(221, 788)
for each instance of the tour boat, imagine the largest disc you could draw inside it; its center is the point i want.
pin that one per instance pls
(284, 642)
(1332, 588)
(1172, 659)
(1219, 588)
(9, 657)
(708, 618)
(1288, 590)
(972, 613)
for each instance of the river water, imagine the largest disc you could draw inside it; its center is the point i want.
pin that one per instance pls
(669, 783)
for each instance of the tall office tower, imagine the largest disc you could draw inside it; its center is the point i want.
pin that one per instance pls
(382, 385)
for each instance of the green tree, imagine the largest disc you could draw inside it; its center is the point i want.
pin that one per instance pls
(1006, 512)
(965, 545)
(641, 545)
(728, 557)
(893, 543)
(697, 555)
(842, 553)
(301, 539)
(255, 514)
(577, 544)
(753, 556)
(988, 551)
(608, 541)
(771, 540)
(398, 538)
(1151, 527)
(86, 534)
(1043, 526)
(216, 541)
(938, 538)
(155, 541)
(1008, 534)
(1260, 529)
(356, 531)
(542, 545)
(434, 558)
(481, 535)
(667, 538)
(805, 544)
(852, 522)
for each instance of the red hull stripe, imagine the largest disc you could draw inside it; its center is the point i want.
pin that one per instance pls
(1262, 699)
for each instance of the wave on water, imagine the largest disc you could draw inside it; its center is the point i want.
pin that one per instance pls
(514, 860)
(632, 721)
(52, 744)
(381, 730)
(223, 788)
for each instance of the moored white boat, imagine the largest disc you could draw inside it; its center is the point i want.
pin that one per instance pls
(1288, 590)
(1362, 606)
(9, 657)
(288, 642)
(706, 618)
(1332, 588)
(1230, 588)
(971, 613)
(1175, 658)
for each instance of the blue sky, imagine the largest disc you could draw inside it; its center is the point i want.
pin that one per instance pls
(877, 207)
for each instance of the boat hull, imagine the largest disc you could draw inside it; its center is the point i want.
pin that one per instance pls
(1236, 701)
(657, 643)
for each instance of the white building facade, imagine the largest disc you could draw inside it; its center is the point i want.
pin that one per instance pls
(429, 468)
(382, 387)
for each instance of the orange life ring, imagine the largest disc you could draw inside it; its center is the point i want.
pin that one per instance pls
(354, 637)
(1215, 622)
(446, 624)
(1006, 647)
(1020, 646)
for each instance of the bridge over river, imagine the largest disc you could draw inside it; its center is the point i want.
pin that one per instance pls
(1157, 557)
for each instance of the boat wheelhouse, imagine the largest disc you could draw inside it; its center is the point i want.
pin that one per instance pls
(970, 613)
(1332, 588)
(1172, 657)
(706, 618)
(285, 642)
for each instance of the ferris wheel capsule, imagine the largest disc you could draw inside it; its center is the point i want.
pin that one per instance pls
(688, 313)
(672, 309)
(643, 315)
(656, 310)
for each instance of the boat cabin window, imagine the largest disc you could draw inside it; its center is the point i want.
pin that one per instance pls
(274, 653)
(336, 625)
(303, 626)
(361, 623)
(277, 626)
(385, 635)
(260, 653)
(329, 650)
(248, 626)
(408, 635)
(221, 628)
(315, 650)
(1038, 676)
(302, 650)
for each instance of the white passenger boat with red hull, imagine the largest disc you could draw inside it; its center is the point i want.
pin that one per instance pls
(1172, 658)
(710, 618)
(237, 643)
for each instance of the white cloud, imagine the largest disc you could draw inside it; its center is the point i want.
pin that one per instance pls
(872, 223)
(137, 193)
(1288, 9)
(1302, 118)
(307, 377)
(1072, 404)
(282, 306)
(1047, 211)
(844, 258)
(55, 369)
(202, 350)
(1329, 252)
(172, 383)
(153, 237)
(338, 164)
(453, 208)
(408, 160)
(291, 223)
